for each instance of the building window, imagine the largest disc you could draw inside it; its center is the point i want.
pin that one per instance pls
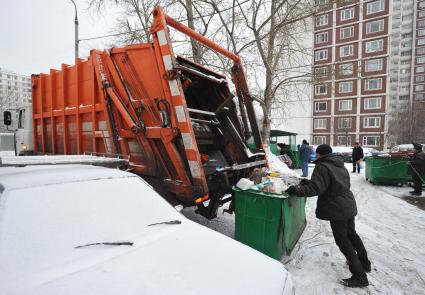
(419, 78)
(407, 18)
(421, 23)
(420, 69)
(421, 4)
(374, 46)
(318, 140)
(373, 84)
(345, 105)
(421, 14)
(321, 2)
(405, 71)
(344, 140)
(406, 53)
(406, 36)
(321, 55)
(371, 140)
(320, 123)
(321, 71)
(372, 103)
(320, 106)
(321, 20)
(421, 41)
(404, 97)
(321, 37)
(372, 122)
(373, 65)
(347, 32)
(345, 87)
(375, 26)
(420, 60)
(346, 69)
(419, 96)
(320, 89)
(347, 14)
(420, 87)
(344, 123)
(421, 32)
(375, 7)
(346, 50)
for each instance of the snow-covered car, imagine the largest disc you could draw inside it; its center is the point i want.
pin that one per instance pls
(403, 150)
(369, 152)
(80, 229)
(345, 151)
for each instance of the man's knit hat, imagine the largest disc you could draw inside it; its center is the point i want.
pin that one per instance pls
(324, 149)
(417, 146)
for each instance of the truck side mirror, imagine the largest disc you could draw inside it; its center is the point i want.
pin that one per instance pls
(7, 118)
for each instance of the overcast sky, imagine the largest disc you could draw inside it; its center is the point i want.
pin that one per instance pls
(36, 35)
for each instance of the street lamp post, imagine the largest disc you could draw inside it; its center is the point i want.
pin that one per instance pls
(76, 29)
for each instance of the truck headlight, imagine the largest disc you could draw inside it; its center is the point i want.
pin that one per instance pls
(24, 147)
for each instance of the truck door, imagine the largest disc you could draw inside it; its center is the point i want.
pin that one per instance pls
(23, 135)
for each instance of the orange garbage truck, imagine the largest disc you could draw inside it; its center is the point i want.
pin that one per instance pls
(178, 122)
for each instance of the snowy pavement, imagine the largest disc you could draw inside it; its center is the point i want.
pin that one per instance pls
(392, 230)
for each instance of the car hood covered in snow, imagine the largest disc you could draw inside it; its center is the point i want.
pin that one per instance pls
(171, 259)
(46, 212)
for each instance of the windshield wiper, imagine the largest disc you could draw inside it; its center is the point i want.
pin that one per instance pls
(122, 243)
(166, 222)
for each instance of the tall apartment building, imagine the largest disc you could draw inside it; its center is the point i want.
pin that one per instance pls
(367, 70)
(15, 92)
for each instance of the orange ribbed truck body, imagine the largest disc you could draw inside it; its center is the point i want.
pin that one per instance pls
(175, 120)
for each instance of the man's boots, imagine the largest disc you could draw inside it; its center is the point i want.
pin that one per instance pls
(355, 282)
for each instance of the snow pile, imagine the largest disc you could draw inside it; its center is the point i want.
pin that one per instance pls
(61, 159)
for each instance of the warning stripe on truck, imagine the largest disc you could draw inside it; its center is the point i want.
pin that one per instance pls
(180, 110)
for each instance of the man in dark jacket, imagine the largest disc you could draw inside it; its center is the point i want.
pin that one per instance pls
(331, 182)
(357, 157)
(417, 168)
(305, 152)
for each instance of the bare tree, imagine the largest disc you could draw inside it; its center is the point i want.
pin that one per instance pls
(267, 33)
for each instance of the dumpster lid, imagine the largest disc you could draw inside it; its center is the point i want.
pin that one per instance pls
(283, 195)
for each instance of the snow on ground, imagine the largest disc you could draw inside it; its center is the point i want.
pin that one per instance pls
(392, 230)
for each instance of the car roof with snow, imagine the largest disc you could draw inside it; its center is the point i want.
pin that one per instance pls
(39, 175)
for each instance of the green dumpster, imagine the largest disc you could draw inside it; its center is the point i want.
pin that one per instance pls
(270, 223)
(297, 159)
(387, 170)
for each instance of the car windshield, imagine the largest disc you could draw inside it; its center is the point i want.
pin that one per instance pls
(104, 210)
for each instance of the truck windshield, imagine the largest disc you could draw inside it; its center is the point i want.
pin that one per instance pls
(21, 121)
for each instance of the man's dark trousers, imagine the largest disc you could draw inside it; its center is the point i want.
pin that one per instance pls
(350, 245)
(417, 183)
(356, 164)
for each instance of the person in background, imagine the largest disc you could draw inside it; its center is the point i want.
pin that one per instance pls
(330, 181)
(286, 155)
(305, 152)
(357, 157)
(417, 169)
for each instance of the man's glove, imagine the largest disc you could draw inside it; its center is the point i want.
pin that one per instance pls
(292, 190)
(304, 181)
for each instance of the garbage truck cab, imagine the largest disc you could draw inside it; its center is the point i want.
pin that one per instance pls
(24, 143)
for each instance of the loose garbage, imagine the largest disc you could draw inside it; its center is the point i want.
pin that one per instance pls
(273, 179)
